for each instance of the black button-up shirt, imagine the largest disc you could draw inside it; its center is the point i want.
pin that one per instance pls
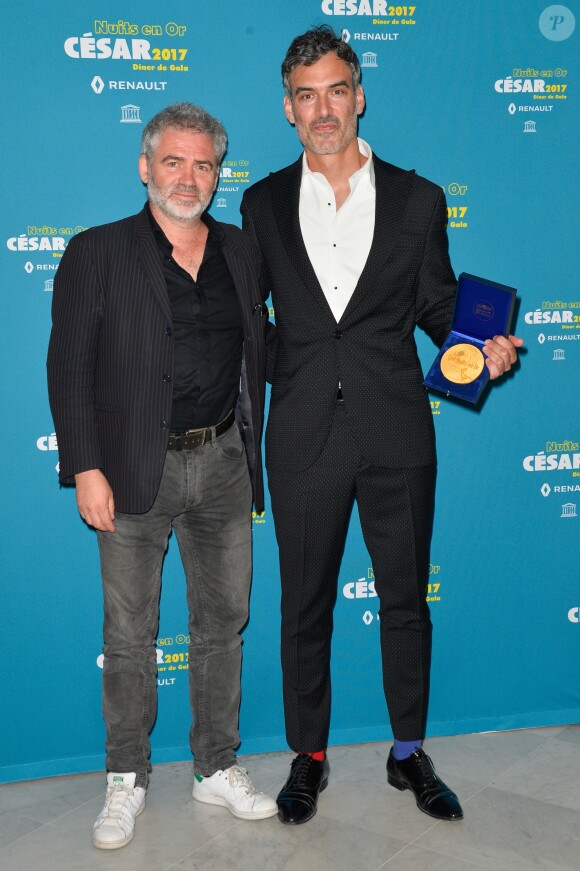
(208, 336)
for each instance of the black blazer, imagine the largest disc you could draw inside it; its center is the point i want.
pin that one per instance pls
(110, 359)
(407, 280)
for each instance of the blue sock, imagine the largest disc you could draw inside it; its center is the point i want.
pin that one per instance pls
(403, 749)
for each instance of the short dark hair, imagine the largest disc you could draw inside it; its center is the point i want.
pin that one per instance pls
(184, 116)
(309, 47)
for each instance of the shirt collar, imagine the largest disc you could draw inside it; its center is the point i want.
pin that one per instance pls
(163, 243)
(367, 171)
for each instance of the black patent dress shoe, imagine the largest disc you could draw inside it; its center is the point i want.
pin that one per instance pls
(417, 774)
(299, 795)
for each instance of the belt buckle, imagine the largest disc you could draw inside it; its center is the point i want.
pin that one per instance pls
(200, 436)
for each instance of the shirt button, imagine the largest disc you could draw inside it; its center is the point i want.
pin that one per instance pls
(168, 331)
(164, 424)
(337, 334)
(166, 379)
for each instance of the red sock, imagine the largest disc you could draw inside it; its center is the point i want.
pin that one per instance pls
(319, 756)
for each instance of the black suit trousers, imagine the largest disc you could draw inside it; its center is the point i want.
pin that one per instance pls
(312, 511)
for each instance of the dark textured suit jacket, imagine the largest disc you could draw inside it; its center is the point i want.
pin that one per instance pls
(407, 280)
(110, 360)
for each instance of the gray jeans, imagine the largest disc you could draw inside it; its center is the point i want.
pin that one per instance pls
(205, 496)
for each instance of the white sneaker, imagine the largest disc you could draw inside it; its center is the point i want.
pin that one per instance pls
(233, 789)
(115, 825)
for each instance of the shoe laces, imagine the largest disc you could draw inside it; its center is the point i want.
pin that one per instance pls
(238, 777)
(300, 768)
(427, 767)
(116, 801)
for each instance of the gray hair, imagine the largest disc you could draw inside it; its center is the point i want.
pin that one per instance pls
(309, 47)
(184, 116)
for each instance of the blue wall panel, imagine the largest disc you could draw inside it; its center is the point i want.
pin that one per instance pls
(478, 97)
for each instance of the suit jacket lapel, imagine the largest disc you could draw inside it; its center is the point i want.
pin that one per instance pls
(152, 265)
(393, 189)
(150, 261)
(285, 205)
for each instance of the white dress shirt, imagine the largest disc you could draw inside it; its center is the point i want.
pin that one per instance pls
(338, 241)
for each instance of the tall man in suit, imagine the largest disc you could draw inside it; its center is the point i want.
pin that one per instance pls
(156, 378)
(356, 255)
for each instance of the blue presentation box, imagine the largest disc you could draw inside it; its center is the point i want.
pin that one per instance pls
(483, 309)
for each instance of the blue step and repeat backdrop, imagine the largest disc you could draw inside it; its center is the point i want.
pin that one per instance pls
(482, 98)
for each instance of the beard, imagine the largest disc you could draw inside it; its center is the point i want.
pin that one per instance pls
(185, 212)
(331, 142)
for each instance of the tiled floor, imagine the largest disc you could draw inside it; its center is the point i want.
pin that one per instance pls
(520, 792)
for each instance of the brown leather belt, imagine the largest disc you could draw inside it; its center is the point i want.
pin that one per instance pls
(195, 438)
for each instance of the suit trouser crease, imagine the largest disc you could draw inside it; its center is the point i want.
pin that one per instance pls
(312, 510)
(205, 496)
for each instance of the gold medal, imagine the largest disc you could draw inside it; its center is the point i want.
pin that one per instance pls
(462, 363)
